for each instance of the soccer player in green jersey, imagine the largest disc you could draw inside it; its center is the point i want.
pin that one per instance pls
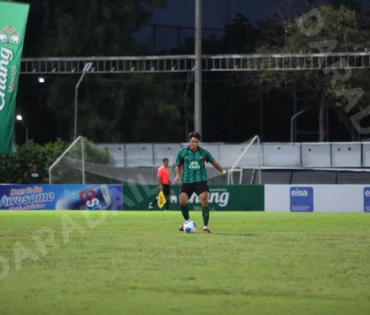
(194, 178)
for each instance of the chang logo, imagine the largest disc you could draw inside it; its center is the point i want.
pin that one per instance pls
(221, 199)
(6, 55)
(301, 199)
(194, 165)
(9, 35)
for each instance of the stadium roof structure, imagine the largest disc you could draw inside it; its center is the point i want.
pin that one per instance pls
(186, 63)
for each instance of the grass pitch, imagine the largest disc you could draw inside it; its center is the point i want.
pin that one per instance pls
(56, 262)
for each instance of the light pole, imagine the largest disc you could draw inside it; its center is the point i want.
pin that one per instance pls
(198, 67)
(292, 122)
(189, 79)
(84, 71)
(20, 118)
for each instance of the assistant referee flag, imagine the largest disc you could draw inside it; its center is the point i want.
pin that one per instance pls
(13, 21)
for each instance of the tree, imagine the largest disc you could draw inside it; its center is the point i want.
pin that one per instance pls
(121, 108)
(135, 108)
(80, 28)
(339, 32)
(227, 105)
(14, 168)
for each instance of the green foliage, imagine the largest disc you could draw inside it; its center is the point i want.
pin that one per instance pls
(68, 170)
(95, 154)
(131, 108)
(339, 24)
(80, 28)
(110, 109)
(15, 168)
(152, 110)
(240, 37)
(317, 87)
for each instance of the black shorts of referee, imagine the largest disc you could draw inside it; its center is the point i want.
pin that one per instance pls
(166, 190)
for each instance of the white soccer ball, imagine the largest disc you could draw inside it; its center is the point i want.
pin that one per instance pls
(190, 226)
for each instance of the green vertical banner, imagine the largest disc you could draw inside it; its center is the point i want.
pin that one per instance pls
(13, 21)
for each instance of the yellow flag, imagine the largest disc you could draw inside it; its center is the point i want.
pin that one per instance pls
(161, 199)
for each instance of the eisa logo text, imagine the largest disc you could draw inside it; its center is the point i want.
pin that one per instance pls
(301, 199)
(367, 192)
(299, 192)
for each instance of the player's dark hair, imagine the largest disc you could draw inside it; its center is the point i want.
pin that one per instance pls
(165, 159)
(194, 134)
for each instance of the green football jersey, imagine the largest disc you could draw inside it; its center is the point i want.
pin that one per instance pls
(194, 164)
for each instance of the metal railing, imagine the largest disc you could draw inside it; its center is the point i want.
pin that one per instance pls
(186, 63)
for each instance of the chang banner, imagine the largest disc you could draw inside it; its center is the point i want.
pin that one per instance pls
(61, 197)
(220, 197)
(13, 21)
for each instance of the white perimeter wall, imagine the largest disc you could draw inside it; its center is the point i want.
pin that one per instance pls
(317, 198)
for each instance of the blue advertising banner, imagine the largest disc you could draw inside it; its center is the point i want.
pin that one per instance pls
(61, 197)
(367, 199)
(301, 199)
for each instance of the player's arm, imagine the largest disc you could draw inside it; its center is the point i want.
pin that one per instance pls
(178, 174)
(160, 183)
(159, 176)
(179, 163)
(218, 167)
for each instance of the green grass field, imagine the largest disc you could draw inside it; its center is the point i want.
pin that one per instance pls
(68, 262)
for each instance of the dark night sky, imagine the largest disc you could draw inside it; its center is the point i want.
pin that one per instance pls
(179, 15)
(215, 14)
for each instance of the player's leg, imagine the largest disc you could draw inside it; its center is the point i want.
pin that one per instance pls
(168, 202)
(152, 204)
(184, 208)
(167, 193)
(184, 205)
(185, 192)
(202, 191)
(203, 197)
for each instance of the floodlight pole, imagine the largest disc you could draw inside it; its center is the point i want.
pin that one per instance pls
(198, 68)
(84, 71)
(292, 123)
(190, 78)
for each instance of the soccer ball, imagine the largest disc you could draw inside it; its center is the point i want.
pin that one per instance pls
(190, 226)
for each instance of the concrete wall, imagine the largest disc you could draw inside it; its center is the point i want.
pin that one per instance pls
(309, 155)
